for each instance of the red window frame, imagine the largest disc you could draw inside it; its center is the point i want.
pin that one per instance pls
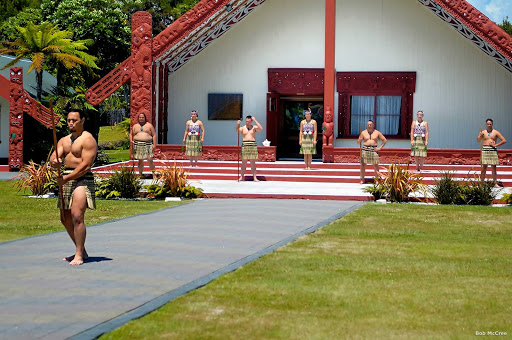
(375, 84)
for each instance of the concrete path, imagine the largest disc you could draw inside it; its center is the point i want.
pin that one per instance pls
(140, 263)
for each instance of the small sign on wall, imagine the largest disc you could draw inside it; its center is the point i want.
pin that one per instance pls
(225, 106)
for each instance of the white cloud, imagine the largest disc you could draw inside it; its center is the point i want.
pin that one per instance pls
(496, 10)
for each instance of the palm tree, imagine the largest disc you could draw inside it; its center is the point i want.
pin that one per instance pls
(44, 43)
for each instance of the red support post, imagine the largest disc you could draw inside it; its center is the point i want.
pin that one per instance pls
(329, 80)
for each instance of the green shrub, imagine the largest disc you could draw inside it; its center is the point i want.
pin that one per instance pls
(446, 190)
(123, 183)
(476, 192)
(101, 158)
(172, 182)
(377, 190)
(469, 191)
(40, 179)
(114, 145)
(507, 198)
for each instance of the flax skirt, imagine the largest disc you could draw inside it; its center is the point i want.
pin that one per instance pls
(249, 150)
(419, 149)
(193, 147)
(307, 147)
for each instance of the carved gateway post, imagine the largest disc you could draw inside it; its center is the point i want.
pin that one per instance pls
(21, 102)
(18, 97)
(142, 60)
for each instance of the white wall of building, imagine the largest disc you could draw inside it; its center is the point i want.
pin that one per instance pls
(458, 86)
(4, 128)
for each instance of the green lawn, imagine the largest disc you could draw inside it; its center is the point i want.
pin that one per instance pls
(114, 134)
(118, 155)
(22, 216)
(382, 272)
(111, 134)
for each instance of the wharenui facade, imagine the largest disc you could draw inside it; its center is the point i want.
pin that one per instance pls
(349, 60)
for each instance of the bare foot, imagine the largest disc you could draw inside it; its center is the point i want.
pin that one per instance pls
(361, 181)
(241, 179)
(256, 180)
(77, 261)
(496, 185)
(71, 257)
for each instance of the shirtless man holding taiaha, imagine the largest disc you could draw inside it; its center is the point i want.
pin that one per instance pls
(143, 139)
(489, 149)
(79, 149)
(370, 151)
(249, 147)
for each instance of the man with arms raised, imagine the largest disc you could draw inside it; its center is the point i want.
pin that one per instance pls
(370, 150)
(489, 150)
(143, 138)
(79, 149)
(249, 146)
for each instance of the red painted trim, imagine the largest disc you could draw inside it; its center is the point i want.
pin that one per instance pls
(375, 84)
(479, 24)
(296, 81)
(5, 85)
(434, 156)
(180, 28)
(330, 54)
(213, 152)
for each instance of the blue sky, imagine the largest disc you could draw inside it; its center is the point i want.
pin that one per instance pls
(496, 10)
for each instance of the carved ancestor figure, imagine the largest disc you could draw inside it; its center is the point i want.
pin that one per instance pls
(328, 128)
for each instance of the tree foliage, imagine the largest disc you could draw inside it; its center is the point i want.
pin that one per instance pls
(9, 28)
(45, 42)
(9, 8)
(103, 21)
(506, 26)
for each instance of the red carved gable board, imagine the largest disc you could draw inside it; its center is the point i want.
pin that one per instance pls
(209, 19)
(477, 22)
(5, 85)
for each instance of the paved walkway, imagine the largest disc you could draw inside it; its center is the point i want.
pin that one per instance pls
(140, 263)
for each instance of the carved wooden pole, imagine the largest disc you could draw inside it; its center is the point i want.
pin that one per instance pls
(329, 78)
(16, 105)
(142, 60)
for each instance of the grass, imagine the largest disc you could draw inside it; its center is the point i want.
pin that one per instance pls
(384, 271)
(22, 216)
(118, 155)
(114, 134)
(111, 134)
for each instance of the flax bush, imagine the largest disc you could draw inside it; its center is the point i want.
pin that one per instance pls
(470, 191)
(123, 183)
(39, 179)
(172, 182)
(398, 182)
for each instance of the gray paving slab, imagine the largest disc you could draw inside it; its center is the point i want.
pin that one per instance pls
(139, 263)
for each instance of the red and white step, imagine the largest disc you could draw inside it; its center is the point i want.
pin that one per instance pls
(288, 179)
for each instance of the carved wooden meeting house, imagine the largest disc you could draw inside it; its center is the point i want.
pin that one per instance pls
(348, 60)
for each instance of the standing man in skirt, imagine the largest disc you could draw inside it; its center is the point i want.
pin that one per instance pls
(489, 155)
(419, 140)
(194, 138)
(143, 138)
(249, 146)
(370, 151)
(78, 151)
(307, 138)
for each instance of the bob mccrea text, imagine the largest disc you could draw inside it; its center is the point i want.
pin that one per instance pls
(491, 333)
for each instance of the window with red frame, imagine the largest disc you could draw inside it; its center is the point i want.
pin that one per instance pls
(383, 97)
